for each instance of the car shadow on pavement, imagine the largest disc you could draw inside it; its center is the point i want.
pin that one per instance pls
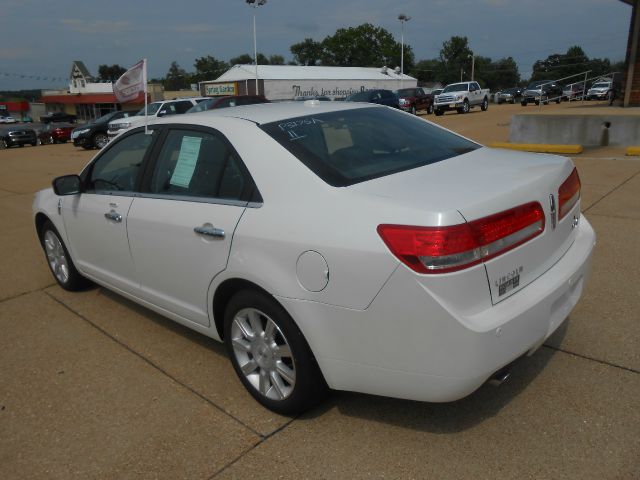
(452, 417)
(214, 346)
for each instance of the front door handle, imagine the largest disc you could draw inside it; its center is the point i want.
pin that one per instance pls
(113, 215)
(210, 231)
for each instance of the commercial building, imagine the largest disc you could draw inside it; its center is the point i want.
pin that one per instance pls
(89, 98)
(286, 82)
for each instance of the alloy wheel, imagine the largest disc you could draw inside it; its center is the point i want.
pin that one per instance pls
(56, 257)
(263, 354)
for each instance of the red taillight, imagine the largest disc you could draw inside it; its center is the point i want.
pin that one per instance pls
(568, 194)
(455, 247)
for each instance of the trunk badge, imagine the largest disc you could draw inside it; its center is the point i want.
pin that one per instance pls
(552, 208)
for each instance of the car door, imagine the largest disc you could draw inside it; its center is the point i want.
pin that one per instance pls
(96, 220)
(181, 227)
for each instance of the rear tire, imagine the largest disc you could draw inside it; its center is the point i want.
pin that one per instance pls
(59, 260)
(413, 110)
(270, 355)
(430, 110)
(524, 104)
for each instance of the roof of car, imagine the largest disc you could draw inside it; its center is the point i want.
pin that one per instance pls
(268, 112)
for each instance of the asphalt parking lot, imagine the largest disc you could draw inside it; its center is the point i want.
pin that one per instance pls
(94, 386)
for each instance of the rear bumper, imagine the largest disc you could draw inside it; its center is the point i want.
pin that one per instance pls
(410, 343)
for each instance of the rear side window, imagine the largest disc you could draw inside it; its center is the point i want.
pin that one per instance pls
(352, 146)
(182, 107)
(198, 164)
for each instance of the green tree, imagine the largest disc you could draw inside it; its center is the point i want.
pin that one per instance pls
(455, 56)
(246, 59)
(208, 68)
(364, 46)
(110, 73)
(276, 60)
(427, 70)
(307, 52)
(496, 75)
(176, 78)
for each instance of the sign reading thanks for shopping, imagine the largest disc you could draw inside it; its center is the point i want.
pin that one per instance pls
(215, 89)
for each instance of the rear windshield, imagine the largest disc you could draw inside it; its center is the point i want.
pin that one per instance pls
(348, 147)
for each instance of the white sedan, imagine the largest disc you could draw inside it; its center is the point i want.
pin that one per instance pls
(329, 245)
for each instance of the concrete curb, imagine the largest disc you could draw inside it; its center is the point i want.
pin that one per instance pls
(632, 151)
(539, 147)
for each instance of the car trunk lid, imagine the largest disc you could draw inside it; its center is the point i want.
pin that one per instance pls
(483, 183)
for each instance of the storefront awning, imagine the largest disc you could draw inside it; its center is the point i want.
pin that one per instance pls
(89, 98)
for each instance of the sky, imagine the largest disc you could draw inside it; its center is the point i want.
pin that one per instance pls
(39, 39)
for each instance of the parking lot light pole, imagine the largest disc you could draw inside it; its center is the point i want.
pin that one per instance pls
(255, 4)
(403, 18)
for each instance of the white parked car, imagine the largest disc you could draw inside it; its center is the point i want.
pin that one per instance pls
(7, 118)
(329, 244)
(154, 111)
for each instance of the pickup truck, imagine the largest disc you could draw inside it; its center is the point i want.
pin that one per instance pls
(414, 99)
(461, 97)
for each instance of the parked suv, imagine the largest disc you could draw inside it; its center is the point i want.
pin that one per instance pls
(229, 101)
(414, 99)
(600, 91)
(17, 136)
(541, 91)
(154, 110)
(55, 133)
(94, 134)
(382, 97)
(58, 117)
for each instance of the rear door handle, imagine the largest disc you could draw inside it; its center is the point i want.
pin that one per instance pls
(210, 231)
(113, 215)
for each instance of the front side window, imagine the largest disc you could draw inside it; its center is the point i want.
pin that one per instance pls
(352, 146)
(117, 169)
(198, 164)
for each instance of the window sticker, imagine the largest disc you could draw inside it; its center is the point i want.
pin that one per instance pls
(186, 164)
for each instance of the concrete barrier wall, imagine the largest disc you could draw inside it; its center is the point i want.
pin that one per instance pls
(587, 130)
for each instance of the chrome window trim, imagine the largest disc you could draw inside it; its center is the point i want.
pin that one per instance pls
(195, 199)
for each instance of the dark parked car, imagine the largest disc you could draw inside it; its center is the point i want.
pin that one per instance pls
(58, 117)
(94, 134)
(382, 97)
(541, 91)
(224, 102)
(414, 99)
(321, 98)
(17, 136)
(55, 133)
(509, 95)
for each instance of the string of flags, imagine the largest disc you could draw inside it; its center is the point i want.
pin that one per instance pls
(47, 78)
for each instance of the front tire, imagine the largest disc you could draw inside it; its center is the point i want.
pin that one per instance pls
(270, 355)
(438, 112)
(413, 110)
(59, 260)
(100, 140)
(465, 107)
(524, 104)
(485, 105)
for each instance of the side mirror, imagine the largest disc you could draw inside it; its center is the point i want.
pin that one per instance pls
(162, 112)
(67, 185)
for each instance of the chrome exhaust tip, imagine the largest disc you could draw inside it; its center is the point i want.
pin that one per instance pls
(500, 376)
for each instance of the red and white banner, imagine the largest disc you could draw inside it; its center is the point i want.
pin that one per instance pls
(131, 83)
